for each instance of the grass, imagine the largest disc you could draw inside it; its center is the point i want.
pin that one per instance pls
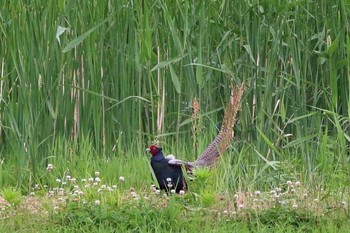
(86, 86)
(116, 194)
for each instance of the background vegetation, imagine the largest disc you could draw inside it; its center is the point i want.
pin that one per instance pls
(88, 85)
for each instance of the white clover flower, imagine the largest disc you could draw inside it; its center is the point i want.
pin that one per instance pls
(49, 167)
(32, 194)
(97, 202)
(182, 192)
(289, 183)
(95, 184)
(134, 194)
(97, 174)
(257, 193)
(172, 191)
(58, 180)
(121, 178)
(292, 190)
(76, 187)
(295, 206)
(168, 179)
(83, 180)
(297, 183)
(51, 193)
(36, 187)
(81, 193)
(73, 180)
(114, 186)
(56, 208)
(157, 191)
(103, 186)
(170, 185)
(68, 177)
(91, 179)
(278, 190)
(97, 179)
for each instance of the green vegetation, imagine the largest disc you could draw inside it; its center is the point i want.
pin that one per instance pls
(86, 86)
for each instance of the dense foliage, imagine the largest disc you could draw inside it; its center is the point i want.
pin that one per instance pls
(116, 75)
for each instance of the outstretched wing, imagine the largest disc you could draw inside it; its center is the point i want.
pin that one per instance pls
(223, 139)
(178, 162)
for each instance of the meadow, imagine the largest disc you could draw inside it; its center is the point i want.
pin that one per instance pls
(87, 86)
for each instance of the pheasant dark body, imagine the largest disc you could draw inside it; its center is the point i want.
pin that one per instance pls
(165, 167)
(167, 173)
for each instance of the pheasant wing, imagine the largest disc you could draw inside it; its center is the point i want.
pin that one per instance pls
(178, 162)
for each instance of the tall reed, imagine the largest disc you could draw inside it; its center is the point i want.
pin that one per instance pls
(114, 66)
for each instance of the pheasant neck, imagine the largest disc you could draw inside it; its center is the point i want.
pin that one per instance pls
(157, 157)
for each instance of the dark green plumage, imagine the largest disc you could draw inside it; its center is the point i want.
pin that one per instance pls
(168, 176)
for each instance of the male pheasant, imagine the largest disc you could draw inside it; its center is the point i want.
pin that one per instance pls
(168, 170)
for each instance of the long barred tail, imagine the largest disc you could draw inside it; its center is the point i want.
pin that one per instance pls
(223, 139)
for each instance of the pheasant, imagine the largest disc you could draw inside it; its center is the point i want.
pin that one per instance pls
(168, 170)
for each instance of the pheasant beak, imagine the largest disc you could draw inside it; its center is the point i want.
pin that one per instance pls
(148, 150)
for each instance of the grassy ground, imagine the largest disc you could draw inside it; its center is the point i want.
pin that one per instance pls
(116, 195)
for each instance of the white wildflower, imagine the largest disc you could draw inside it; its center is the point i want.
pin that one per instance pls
(49, 167)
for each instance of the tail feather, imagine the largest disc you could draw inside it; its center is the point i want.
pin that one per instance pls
(223, 139)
